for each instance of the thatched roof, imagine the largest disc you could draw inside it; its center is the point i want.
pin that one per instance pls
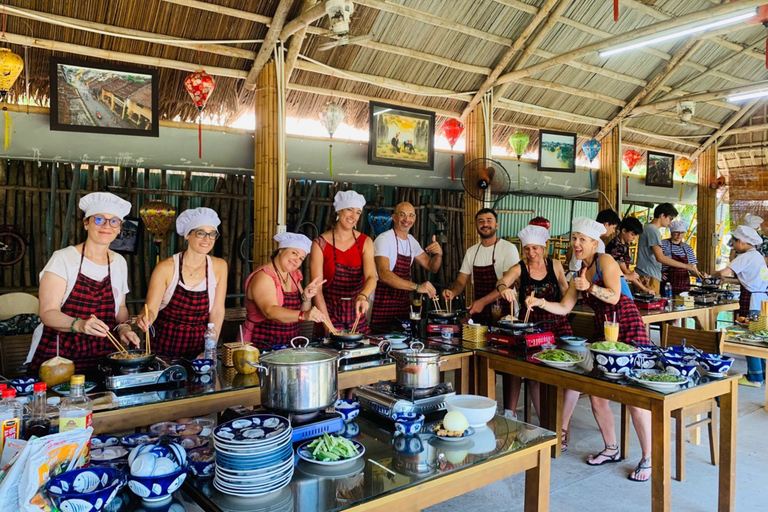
(443, 47)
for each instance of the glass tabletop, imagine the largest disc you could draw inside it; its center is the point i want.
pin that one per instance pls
(679, 305)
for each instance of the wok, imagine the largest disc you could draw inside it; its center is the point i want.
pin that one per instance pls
(441, 313)
(522, 325)
(346, 337)
(138, 360)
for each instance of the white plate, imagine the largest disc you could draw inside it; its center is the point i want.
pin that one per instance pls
(253, 475)
(89, 386)
(656, 386)
(245, 494)
(559, 364)
(305, 454)
(467, 433)
(752, 338)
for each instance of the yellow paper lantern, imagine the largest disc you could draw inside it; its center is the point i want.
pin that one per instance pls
(10, 69)
(682, 166)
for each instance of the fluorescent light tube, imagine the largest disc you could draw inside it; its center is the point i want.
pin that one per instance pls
(741, 16)
(748, 96)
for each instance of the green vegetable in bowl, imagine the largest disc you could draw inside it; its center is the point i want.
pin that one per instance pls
(332, 448)
(661, 377)
(613, 346)
(562, 356)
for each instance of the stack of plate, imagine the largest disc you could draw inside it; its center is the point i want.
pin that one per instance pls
(474, 335)
(254, 455)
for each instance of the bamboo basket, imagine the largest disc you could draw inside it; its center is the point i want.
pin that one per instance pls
(227, 350)
(761, 324)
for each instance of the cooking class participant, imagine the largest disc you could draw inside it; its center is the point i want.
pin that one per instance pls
(82, 291)
(275, 301)
(395, 251)
(674, 247)
(343, 257)
(628, 231)
(650, 256)
(187, 291)
(545, 277)
(610, 221)
(485, 262)
(603, 288)
(761, 226)
(750, 270)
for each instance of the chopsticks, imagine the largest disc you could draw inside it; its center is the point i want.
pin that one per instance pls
(354, 327)
(449, 304)
(436, 302)
(117, 344)
(528, 311)
(330, 326)
(147, 350)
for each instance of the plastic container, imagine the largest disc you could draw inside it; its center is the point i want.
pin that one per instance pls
(11, 412)
(76, 411)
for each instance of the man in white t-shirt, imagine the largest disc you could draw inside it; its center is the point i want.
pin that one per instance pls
(485, 263)
(394, 252)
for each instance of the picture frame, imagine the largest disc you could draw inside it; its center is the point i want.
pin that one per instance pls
(557, 151)
(103, 98)
(127, 241)
(401, 137)
(660, 169)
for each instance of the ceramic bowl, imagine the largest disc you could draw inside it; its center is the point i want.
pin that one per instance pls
(407, 445)
(202, 461)
(137, 439)
(202, 366)
(648, 359)
(715, 365)
(349, 409)
(104, 441)
(24, 385)
(408, 423)
(350, 430)
(86, 489)
(191, 442)
(206, 424)
(157, 488)
(113, 456)
(478, 410)
(685, 367)
(172, 451)
(614, 364)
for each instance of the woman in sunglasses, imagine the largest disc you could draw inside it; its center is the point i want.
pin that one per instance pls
(82, 291)
(187, 291)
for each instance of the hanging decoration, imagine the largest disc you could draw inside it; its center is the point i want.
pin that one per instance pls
(631, 157)
(380, 220)
(518, 141)
(8, 129)
(10, 69)
(615, 10)
(452, 129)
(158, 217)
(682, 166)
(591, 149)
(717, 183)
(331, 116)
(540, 221)
(200, 86)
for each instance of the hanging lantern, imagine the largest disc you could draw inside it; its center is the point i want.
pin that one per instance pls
(331, 116)
(682, 166)
(380, 220)
(200, 86)
(452, 129)
(591, 149)
(10, 69)
(540, 221)
(518, 141)
(631, 158)
(615, 10)
(158, 217)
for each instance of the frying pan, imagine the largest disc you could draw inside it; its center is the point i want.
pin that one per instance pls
(441, 313)
(522, 325)
(346, 337)
(139, 359)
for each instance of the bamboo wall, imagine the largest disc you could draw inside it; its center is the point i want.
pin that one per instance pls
(707, 205)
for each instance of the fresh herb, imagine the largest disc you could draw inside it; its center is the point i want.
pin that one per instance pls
(661, 377)
(557, 355)
(332, 448)
(613, 346)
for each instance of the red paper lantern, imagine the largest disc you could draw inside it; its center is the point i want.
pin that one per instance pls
(200, 86)
(540, 221)
(452, 129)
(631, 157)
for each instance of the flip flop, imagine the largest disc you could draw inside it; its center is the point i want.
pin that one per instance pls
(564, 442)
(633, 476)
(609, 459)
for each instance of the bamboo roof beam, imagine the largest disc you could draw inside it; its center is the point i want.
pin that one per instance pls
(309, 15)
(297, 37)
(506, 58)
(704, 96)
(735, 148)
(746, 129)
(422, 56)
(536, 110)
(673, 115)
(268, 46)
(668, 138)
(726, 126)
(573, 91)
(604, 34)
(670, 24)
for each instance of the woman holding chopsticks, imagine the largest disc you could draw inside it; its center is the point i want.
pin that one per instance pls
(276, 303)
(187, 291)
(82, 291)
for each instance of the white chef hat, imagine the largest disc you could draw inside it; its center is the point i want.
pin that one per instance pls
(587, 226)
(753, 221)
(536, 235)
(294, 240)
(348, 199)
(195, 218)
(104, 202)
(678, 226)
(748, 234)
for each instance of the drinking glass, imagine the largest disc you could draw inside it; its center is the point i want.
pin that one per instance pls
(611, 330)
(496, 311)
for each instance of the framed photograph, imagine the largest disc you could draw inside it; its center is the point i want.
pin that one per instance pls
(103, 98)
(127, 242)
(659, 171)
(557, 151)
(401, 137)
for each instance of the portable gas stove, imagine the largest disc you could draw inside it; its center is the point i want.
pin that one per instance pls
(157, 372)
(362, 354)
(649, 301)
(305, 426)
(386, 399)
(709, 294)
(524, 340)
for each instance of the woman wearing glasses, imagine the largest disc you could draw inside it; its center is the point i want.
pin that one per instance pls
(187, 291)
(82, 291)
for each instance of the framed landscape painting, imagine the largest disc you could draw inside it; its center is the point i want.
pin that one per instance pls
(659, 171)
(557, 151)
(103, 98)
(401, 137)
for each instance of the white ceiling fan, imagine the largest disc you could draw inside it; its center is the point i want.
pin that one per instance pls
(685, 111)
(339, 13)
(344, 41)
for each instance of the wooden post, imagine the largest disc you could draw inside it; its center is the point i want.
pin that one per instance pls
(609, 174)
(474, 131)
(706, 209)
(265, 171)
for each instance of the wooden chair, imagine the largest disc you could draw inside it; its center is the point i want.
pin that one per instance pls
(582, 325)
(701, 413)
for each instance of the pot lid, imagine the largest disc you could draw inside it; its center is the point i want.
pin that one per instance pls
(416, 350)
(299, 355)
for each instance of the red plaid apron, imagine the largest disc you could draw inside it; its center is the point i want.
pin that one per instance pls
(268, 334)
(744, 298)
(678, 277)
(484, 281)
(341, 292)
(390, 304)
(549, 290)
(88, 297)
(180, 326)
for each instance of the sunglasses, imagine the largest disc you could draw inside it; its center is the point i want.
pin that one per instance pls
(213, 235)
(114, 222)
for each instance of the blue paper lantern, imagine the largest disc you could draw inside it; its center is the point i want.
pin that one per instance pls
(591, 149)
(380, 220)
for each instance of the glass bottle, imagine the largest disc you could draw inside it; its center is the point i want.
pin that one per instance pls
(38, 424)
(76, 411)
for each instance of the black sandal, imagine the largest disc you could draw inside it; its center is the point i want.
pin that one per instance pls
(609, 459)
(564, 436)
(644, 464)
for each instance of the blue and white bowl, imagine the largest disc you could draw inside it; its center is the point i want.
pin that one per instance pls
(350, 430)
(614, 364)
(202, 366)
(202, 461)
(138, 439)
(349, 409)
(715, 365)
(648, 359)
(685, 367)
(84, 490)
(24, 385)
(157, 488)
(407, 445)
(408, 423)
(191, 442)
(104, 441)
(115, 456)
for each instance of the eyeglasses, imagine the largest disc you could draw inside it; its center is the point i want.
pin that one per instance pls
(114, 222)
(213, 235)
(403, 215)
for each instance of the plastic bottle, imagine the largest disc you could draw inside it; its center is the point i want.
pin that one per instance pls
(38, 423)
(76, 411)
(668, 295)
(211, 340)
(11, 412)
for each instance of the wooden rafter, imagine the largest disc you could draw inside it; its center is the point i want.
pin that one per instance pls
(746, 129)
(745, 111)
(297, 37)
(573, 91)
(703, 96)
(268, 46)
(308, 15)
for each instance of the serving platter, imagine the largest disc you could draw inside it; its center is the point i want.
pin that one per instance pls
(558, 364)
(663, 387)
(467, 433)
(252, 430)
(305, 454)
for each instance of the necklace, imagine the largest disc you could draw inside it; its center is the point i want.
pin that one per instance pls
(195, 272)
(283, 279)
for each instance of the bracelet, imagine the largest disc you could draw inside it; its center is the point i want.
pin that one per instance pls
(118, 326)
(589, 290)
(72, 326)
(499, 286)
(543, 304)
(301, 316)
(304, 299)
(363, 296)
(415, 287)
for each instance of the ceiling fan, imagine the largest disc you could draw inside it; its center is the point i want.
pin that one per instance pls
(685, 111)
(343, 41)
(339, 15)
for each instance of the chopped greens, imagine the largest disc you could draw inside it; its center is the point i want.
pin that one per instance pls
(613, 346)
(332, 448)
(661, 377)
(562, 356)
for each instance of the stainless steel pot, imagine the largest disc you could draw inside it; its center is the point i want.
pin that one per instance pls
(417, 367)
(299, 380)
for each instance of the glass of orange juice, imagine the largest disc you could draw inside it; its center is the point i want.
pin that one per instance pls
(611, 330)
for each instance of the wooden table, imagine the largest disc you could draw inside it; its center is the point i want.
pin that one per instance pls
(705, 316)
(555, 381)
(116, 420)
(734, 345)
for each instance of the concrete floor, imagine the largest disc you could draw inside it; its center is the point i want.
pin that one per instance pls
(575, 486)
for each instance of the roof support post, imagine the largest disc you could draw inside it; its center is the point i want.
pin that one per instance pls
(609, 173)
(706, 211)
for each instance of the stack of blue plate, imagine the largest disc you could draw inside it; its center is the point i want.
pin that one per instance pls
(254, 455)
